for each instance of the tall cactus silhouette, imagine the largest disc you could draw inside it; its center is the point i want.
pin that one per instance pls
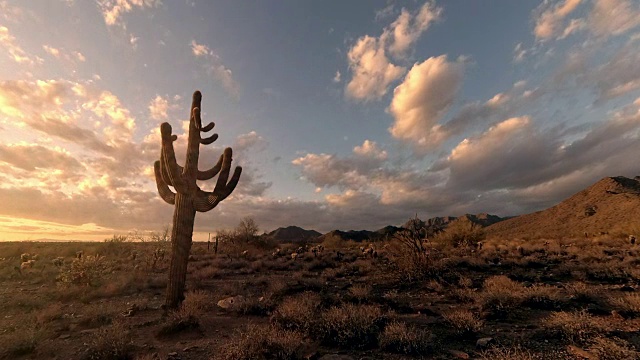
(188, 197)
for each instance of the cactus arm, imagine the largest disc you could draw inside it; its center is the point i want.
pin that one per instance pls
(205, 201)
(193, 144)
(208, 127)
(209, 140)
(169, 159)
(209, 174)
(163, 189)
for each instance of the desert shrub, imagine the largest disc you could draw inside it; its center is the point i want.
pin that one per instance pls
(195, 304)
(352, 325)
(612, 349)
(87, 270)
(411, 251)
(514, 353)
(110, 343)
(577, 326)
(263, 342)
(581, 292)
(499, 295)
(21, 341)
(541, 297)
(461, 234)
(360, 292)
(298, 312)
(628, 303)
(463, 321)
(401, 338)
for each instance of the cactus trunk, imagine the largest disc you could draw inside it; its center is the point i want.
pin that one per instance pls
(188, 198)
(184, 216)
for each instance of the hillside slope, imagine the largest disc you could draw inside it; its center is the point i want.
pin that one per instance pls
(611, 204)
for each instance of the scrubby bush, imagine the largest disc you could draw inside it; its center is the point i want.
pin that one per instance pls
(463, 321)
(577, 326)
(110, 343)
(84, 271)
(298, 312)
(401, 338)
(461, 233)
(352, 325)
(263, 342)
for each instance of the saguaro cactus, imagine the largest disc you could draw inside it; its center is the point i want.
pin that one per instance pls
(188, 197)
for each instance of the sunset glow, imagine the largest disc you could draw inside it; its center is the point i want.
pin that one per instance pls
(344, 115)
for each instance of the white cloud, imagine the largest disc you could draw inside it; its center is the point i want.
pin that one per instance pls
(422, 99)
(200, 49)
(112, 10)
(549, 22)
(216, 68)
(407, 28)
(338, 77)
(613, 17)
(158, 108)
(133, 40)
(370, 149)
(372, 72)
(15, 52)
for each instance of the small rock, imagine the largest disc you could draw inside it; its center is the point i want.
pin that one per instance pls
(336, 357)
(627, 288)
(64, 336)
(189, 348)
(582, 354)
(231, 302)
(459, 354)
(485, 342)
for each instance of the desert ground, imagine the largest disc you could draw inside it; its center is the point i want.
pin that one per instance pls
(453, 296)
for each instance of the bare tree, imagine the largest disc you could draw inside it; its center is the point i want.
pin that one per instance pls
(247, 230)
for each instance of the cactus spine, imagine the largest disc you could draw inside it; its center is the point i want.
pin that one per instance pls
(188, 198)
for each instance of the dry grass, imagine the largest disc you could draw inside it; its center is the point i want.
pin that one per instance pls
(612, 349)
(263, 342)
(110, 343)
(352, 325)
(401, 338)
(299, 312)
(577, 326)
(514, 353)
(463, 321)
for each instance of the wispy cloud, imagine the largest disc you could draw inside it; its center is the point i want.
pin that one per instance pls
(215, 67)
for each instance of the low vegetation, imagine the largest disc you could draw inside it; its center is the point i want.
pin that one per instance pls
(441, 295)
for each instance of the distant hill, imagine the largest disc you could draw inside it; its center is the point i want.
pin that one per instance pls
(293, 234)
(612, 203)
(433, 225)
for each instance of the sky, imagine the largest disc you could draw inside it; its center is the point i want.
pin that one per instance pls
(344, 115)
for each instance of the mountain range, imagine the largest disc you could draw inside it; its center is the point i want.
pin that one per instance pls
(610, 205)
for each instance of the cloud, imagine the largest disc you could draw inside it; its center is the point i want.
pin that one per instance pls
(16, 53)
(216, 68)
(422, 99)
(613, 17)
(31, 157)
(372, 71)
(338, 77)
(548, 23)
(113, 10)
(10, 12)
(58, 53)
(408, 28)
(158, 108)
(517, 154)
(200, 49)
